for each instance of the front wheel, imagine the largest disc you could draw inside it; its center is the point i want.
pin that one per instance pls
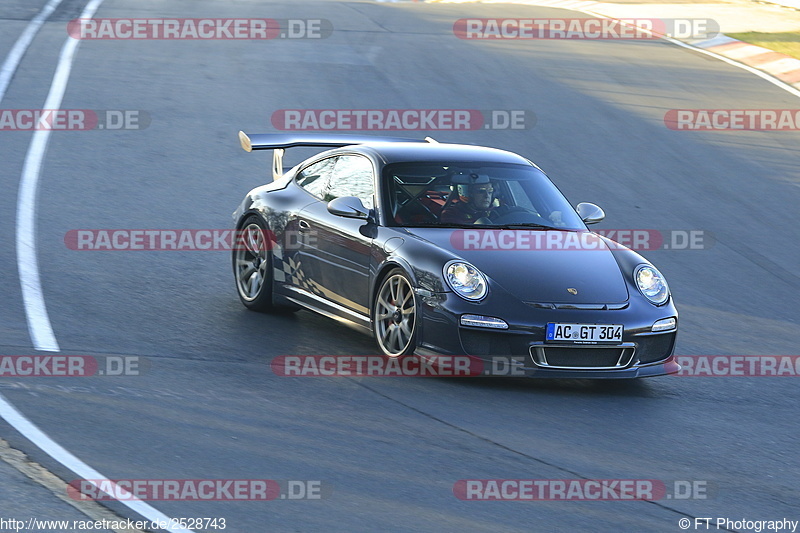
(395, 315)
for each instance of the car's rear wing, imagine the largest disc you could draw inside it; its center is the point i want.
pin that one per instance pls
(278, 142)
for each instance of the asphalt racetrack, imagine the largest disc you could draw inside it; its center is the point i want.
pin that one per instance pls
(387, 453)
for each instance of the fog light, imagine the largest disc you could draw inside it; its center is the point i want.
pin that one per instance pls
(665, 324)
(481, 321)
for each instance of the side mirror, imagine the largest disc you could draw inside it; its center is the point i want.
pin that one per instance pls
(590, 213)
(348, 207)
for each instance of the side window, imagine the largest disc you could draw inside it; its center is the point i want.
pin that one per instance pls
(314, 178)
(352, 176)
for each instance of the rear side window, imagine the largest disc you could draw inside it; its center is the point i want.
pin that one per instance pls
(314, 178)
(352, 177)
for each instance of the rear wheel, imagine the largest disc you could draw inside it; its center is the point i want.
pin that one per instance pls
(252, 265)
(395, 315)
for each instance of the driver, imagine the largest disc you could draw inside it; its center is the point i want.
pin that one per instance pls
(479, 204)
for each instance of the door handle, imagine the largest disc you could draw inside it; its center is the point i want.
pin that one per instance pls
(304, 226)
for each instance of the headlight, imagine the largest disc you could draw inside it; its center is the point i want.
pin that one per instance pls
(651, 284)
(466, 280)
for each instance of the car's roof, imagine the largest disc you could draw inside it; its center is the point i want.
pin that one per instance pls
(395, 152)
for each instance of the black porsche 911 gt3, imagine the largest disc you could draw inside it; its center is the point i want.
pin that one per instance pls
(446, 249)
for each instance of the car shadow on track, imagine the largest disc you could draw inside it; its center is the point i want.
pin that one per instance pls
(637, 388)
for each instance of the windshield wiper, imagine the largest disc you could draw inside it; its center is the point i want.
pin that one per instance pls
(448, 225)
(485, 226)
(528, 225)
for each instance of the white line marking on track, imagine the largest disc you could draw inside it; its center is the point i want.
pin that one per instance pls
(698, 47)
(7, 72)
(21, 46)
(39, 325)
(84, 471)
(763, 75)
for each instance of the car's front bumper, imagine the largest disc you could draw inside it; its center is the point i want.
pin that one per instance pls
(521, 349)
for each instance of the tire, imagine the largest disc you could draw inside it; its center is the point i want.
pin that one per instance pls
(395, 315)
(252, 265)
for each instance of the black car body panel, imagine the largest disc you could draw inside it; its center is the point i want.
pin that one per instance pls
(333, 265)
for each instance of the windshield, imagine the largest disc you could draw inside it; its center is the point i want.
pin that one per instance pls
(457, 194)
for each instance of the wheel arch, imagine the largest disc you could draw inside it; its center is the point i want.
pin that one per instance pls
(383, 270)
(246, 214)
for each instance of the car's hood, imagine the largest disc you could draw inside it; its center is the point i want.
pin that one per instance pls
(538, 266)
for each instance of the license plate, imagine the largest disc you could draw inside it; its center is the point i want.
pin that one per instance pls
(584, 333)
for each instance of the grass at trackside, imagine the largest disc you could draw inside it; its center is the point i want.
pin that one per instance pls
(786, 42)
